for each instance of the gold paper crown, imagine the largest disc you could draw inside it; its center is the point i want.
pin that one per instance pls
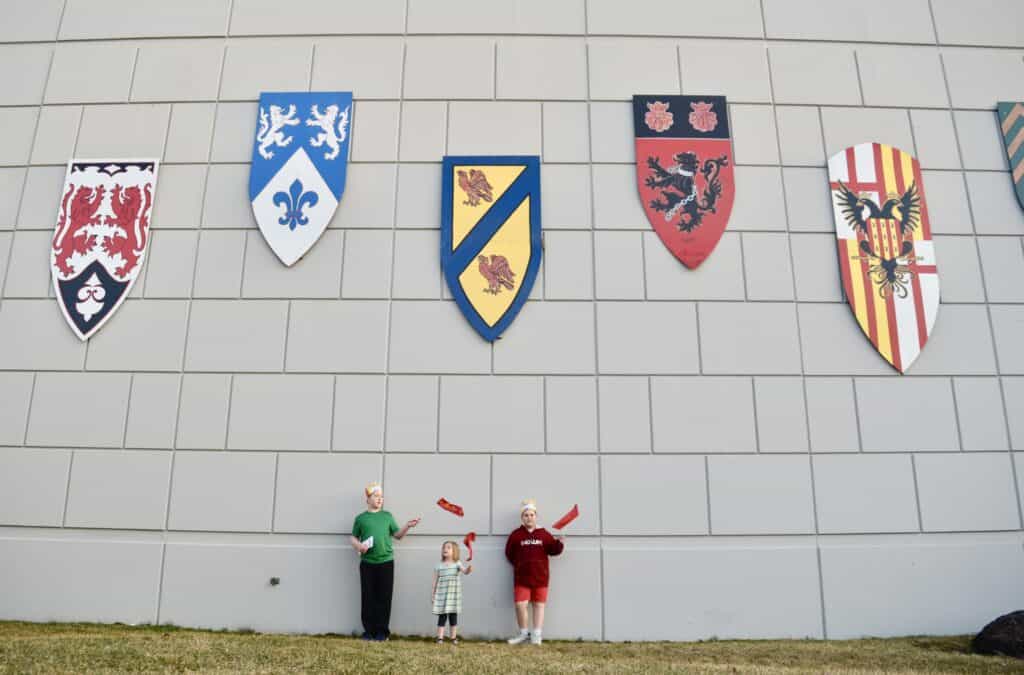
(374, 487)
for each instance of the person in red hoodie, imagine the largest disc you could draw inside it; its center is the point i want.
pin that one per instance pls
(528, 548)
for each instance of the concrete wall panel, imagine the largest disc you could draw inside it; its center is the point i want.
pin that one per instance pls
(63, 579)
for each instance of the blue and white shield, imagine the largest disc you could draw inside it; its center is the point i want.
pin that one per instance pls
(298, 167)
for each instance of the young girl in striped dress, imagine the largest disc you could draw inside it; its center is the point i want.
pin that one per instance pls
(447, 591)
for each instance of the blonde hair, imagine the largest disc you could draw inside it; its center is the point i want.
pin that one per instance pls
(455, 550)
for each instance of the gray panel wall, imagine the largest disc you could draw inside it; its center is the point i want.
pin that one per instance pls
(745, 464)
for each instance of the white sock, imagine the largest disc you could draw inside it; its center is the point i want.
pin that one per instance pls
(524, 631)
(536, 631)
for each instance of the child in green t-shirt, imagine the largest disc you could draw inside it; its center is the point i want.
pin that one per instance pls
(371, 537)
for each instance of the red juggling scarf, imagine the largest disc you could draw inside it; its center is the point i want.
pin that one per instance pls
(574, 513)
(449, 507)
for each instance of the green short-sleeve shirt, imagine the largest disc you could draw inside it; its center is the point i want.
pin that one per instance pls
(380, 525)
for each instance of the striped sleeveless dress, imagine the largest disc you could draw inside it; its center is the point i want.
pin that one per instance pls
(448, 597)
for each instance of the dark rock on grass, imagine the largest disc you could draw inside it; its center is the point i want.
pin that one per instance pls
(1004, 636)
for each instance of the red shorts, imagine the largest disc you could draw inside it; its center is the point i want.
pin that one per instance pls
(527, 594)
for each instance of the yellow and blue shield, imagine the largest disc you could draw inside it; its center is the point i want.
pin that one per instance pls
(490, 236)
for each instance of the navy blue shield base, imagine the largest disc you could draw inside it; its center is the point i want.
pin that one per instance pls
(99, 244)
(490, 236)
(298, 168)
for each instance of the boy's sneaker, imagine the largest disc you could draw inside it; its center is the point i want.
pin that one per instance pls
(535, 638)
(519, 639)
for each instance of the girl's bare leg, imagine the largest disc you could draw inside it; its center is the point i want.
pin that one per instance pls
(538, 615)
(521, 615)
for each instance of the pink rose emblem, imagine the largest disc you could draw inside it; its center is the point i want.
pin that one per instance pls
(658, 118)
(702, 119)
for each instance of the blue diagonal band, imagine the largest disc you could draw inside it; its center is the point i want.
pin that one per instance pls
(491, 222)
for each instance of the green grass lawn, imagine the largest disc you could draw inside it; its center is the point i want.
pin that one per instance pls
(91, 648)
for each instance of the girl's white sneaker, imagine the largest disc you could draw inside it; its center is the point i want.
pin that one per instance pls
(519, 639)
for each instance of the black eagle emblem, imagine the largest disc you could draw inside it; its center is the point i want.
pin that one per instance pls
(890, 274)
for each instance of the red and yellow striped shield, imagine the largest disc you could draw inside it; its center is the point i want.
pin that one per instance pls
(886, 253)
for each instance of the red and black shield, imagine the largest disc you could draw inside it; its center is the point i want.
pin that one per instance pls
(684, 171)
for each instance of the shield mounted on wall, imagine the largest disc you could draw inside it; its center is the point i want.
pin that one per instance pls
(101, 237)
(490, 236)
(298, 167)
(886, 253)
(684, 171)
(1011, 120)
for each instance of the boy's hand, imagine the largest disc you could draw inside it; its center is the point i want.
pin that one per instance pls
(412, 523)
(363, 548)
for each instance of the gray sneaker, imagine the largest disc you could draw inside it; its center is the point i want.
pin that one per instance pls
(519, 639)
(535, 639)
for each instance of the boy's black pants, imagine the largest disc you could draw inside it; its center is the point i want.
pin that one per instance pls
(376, 582)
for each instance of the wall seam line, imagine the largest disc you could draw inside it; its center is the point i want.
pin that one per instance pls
(287, 332)
(334, 408)
(437, 418)
(67, 490)
(935, 25)
(956, 416)
(917, 491)
(650, 414)
(394, 227)
(245, 261)
(635, 37)
(860, 80)
(131, 78)
(128, 410)
(753, 410)
(273, 499)
(856, 412)
(596, 324)
(60, 23)
(51, 532)
(28, 413)
(160, 582)
(227, 420)
(707, 491)
(543, 410)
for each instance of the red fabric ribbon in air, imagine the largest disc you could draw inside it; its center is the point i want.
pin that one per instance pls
(574, 513)
(468, 541)
(451, 508)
